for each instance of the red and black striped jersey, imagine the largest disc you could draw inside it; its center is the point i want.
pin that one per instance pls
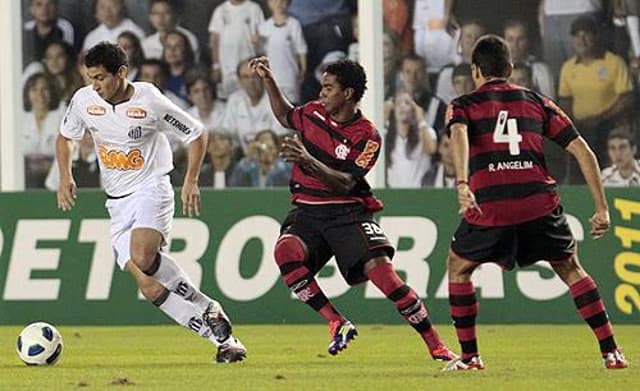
(506, 126)
(352, 147)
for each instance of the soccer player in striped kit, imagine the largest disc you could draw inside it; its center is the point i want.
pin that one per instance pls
(334, 148)
(511, 210)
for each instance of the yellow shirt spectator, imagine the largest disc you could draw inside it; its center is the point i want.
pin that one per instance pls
(594, 87)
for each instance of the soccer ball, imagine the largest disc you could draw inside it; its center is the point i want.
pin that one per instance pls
(39, 344)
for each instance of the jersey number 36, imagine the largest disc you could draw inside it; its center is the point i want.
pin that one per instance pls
(511, 135)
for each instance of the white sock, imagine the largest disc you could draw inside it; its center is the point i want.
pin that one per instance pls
(176, 280)
(186, 314)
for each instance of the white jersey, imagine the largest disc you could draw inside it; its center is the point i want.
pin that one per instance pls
(129, 138)
(611, 177)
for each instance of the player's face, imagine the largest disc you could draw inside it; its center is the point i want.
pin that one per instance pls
(332, 95)
(621, 152)
(200, 94)
(161, 16)
(43, 10)
(103, 82)
(174, 49)
(55, 59)
(413, 75)
(39, 95)
(518, 42)
(110, 12)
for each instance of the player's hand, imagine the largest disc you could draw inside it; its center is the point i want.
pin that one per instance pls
(260, 66)
(190, 198)
(292, 151)
(67, 194)
(600, 223)
(467, 200)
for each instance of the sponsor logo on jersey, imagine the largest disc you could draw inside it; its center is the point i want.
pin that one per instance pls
(118, 160)
(136, 112)
(96, 110)
(367, 155)
(171, 120)
(342, 151)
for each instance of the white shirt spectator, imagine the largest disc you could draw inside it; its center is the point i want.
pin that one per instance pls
(41, 141)
(542, 78)
(152, 46)
(431, 40)
(129, 137)
(103, 33)
(235, 25)
(611, 177)
(68, 33)
(244, 121)
(568, 7)
(214, 120)
(444, 85)
(284, 45)
(407, 172)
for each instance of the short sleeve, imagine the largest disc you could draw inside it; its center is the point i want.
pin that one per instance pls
(173, 119)
(216, 24)
(363, 156)
(455, 114)
(558, 126)
(295, 118)
(298, 39)
(72, 125)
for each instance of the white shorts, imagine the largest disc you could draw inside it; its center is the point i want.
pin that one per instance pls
(151, 207)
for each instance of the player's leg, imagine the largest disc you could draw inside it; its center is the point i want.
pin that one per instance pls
(591, 308)
(379, 270)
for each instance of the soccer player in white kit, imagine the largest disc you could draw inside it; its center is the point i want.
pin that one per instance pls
(127, 121)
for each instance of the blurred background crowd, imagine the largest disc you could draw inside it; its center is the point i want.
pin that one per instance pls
(585, 54)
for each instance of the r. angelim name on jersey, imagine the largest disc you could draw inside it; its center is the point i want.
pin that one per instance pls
(515, 165)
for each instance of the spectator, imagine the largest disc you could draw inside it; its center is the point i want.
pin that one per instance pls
(595, 87)
(462, 79)
(409, 144)
(353, 52)
(220, 161)
(326, 25)
(416, 84)
(163, 18)
(433, 34)
(180, 57)
(111, 14)
(130, 43)
(390, 57)
(41, 120)
(85, 166)
(44, 28)
(521, 75)
(469, 33)
(156, 72)
(624, 169)
(202, 93)
(442, 174)
(248, 110)
(396, 17)
(555, 18)
(518, 37)
(286, 48)
(626, 32)
(233, 36)
(261, 166)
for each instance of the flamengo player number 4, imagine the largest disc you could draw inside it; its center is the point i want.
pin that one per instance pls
(511, 137)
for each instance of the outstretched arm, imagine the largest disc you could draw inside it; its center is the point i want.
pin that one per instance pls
(279, 104)
(589, 167)
(190, 191)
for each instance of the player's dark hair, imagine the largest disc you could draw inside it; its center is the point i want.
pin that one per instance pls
(110, 56)
(349, 74)
(491, 54)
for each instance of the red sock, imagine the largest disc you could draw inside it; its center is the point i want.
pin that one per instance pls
(464, 309)
(591, 308)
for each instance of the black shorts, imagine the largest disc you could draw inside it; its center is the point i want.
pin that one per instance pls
(347, 231)
(547, 238)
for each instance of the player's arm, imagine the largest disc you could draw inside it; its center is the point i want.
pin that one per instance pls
(460, 154)
(293, 151)
(279, 104)
(66, 193)
(591, 171)
(190, 190)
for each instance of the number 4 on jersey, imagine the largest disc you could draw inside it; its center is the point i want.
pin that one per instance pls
(511, 136)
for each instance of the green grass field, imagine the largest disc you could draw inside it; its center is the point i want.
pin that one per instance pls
(518, 358)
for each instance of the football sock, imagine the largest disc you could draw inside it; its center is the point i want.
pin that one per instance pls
(464, 309)
(184, 313)
(290, 256)
(591, 308)
(166, 271)
(406, 301)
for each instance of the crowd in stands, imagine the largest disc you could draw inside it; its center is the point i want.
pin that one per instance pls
(583, 53)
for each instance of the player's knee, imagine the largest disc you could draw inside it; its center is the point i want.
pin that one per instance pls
(460, 269)
(289, 248)
(147, 260)
(568, 270)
